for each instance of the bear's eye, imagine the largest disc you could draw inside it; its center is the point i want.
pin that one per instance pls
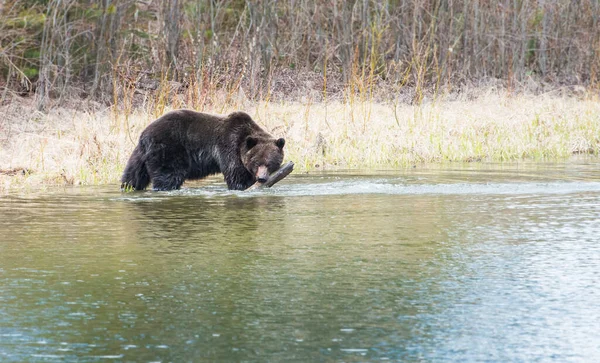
(251, 142)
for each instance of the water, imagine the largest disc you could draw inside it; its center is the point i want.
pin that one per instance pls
(469, 263)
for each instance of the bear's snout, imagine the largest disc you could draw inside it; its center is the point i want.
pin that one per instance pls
(262, 174)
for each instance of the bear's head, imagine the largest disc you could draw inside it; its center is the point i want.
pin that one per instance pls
(262, 156)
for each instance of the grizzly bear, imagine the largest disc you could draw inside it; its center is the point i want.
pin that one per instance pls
(186, 145)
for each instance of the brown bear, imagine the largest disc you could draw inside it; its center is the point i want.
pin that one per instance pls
(185, 145)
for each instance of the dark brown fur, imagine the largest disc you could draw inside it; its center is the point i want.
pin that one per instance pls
(185, 145)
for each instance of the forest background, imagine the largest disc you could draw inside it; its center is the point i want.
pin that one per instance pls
(351, 83)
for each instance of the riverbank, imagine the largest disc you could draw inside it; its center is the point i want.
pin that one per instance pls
(90, 144)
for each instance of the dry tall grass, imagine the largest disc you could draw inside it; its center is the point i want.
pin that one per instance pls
(66, 146)
(72, 48)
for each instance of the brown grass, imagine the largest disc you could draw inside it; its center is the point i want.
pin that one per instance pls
(90, 144)
(70, 48)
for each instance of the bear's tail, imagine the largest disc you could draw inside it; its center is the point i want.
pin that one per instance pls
(135, 175)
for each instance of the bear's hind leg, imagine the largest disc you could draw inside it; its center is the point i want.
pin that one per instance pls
(168, 174)
(167, 182)
(135, 174)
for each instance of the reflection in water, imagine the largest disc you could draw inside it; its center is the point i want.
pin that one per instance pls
(421, 265)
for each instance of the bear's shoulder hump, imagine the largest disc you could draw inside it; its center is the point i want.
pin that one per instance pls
(239, 117)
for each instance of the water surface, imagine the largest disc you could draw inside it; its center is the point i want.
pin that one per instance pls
(464, 263)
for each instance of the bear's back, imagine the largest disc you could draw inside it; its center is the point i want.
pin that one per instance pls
(187, 127)
(177, 125)
(185, 118)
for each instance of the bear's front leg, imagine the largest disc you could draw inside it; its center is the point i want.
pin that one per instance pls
(239, 180)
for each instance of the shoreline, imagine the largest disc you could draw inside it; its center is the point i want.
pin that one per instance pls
(79, 146)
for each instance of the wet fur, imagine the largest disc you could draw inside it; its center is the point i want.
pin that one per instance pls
(186, 145)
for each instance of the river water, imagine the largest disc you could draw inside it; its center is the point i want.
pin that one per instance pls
(474, 262)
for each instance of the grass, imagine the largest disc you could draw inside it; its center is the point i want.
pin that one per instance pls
(78, 146)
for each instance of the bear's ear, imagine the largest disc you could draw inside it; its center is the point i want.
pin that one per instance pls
(280, 143)
(251, 142)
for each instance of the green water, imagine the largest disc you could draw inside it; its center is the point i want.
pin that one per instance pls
(469, 263)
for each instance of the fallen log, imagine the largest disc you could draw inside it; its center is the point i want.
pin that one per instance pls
(284, 171)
